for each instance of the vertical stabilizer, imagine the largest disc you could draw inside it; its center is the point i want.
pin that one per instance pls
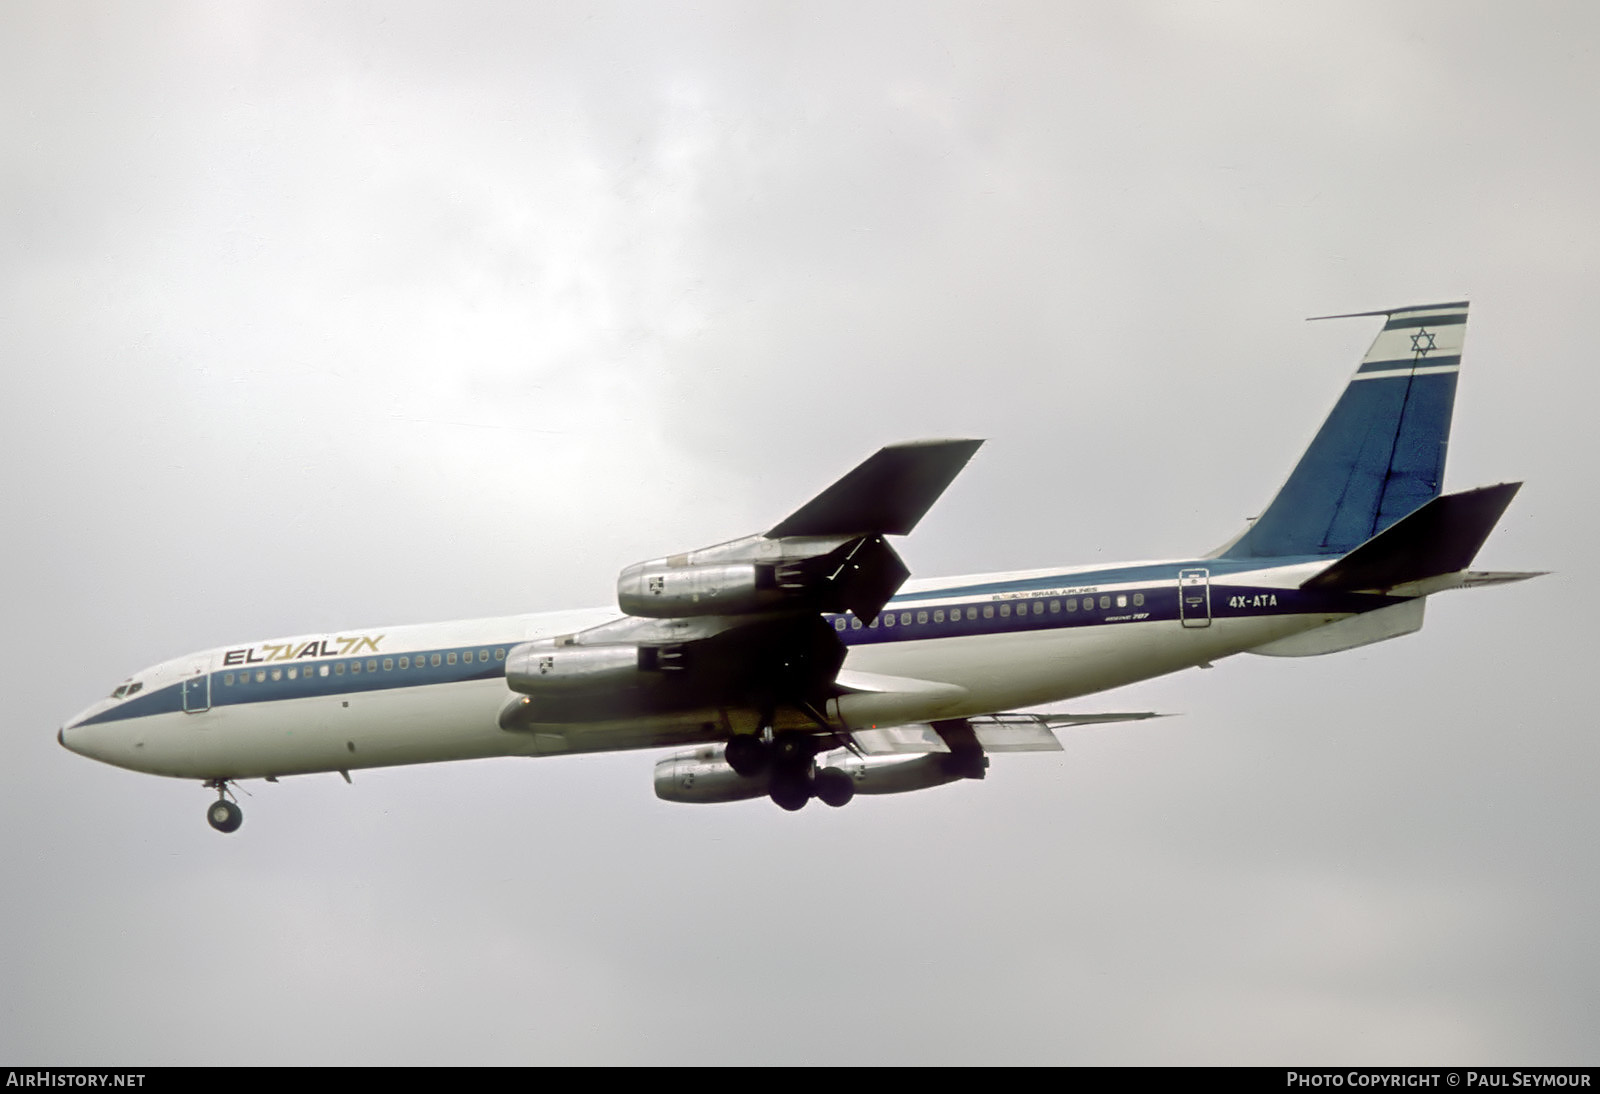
(1380, 454)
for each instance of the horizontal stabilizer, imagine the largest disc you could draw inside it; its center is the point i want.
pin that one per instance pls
(1442, 537)
(886, 494)
(994, 732)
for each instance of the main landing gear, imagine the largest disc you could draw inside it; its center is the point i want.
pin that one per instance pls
(223, 815)
(794, 778)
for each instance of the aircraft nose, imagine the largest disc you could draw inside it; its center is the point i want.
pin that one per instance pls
(75, 743)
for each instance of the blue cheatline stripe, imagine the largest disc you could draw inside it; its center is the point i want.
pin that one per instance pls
(1021, 614)
(1050, 613)
(161, 701)
(1421, 360)
(1405, 321)
(1153, 572)
(309, 682)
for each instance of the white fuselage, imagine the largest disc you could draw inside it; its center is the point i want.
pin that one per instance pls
(420, 694)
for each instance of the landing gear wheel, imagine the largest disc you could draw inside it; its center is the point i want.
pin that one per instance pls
(224, 816)
(747, 754)
(834, 787)
(790, 791)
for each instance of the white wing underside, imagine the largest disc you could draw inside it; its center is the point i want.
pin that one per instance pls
(995, 732)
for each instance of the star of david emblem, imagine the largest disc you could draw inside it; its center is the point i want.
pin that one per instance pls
(1420, 347)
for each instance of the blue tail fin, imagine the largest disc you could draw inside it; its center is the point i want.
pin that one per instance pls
(1380, 455)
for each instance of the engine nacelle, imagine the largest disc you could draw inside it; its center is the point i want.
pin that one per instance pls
(661, 590)
(899, 774)
(542, 668)
(702, 776)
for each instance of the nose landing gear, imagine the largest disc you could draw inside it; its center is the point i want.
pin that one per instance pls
(223, 815)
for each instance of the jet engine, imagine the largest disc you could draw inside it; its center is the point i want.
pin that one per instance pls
(758, 574)
(541, 668)
(661, 590)
(588, 683)
(702, 775)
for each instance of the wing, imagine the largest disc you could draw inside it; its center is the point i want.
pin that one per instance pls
(828, 555)
(887, 494)
(739, 623)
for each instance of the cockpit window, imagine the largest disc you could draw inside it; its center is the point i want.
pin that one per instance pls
(120, 692)
(125, 690)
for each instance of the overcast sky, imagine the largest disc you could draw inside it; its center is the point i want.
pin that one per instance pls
(317, 316)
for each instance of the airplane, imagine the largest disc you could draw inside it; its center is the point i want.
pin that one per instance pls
(800, 663)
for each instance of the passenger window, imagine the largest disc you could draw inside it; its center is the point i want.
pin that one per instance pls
(888, 620)
(1088, 603)
(1055, 607)
(1072, 603)
(922, 617)
(338, 668)
(500, 655)
(227, 679)
(1138, 600)
(261, 676)
(1105, 602)
(388, 664)
(451, 657)
(905, 618)
(322, 671)
(434, 660)
(405, 662)
(277, 674)
(855, 624)
(1038, 607)
(938, 616)
(988, 611)
(1122, 600)
(372, 665)
(1005, 610)
(838, 624)
(293, 673)
(483, 656)
(355, 666)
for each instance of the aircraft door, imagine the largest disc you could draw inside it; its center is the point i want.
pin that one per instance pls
(197, 693)
(1194, 597)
